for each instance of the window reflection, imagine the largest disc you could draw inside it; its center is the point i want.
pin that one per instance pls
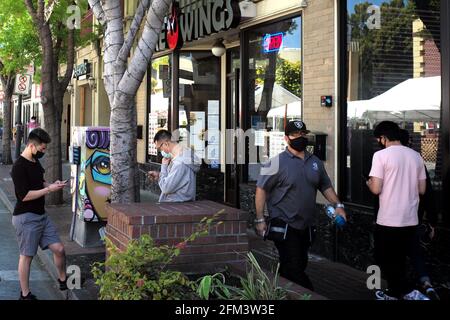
(275, 86)
(160, 100)
(394, 72)
(199, 105)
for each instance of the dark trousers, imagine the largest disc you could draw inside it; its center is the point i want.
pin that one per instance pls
(417, 256)
(293, 253)
(392, 246)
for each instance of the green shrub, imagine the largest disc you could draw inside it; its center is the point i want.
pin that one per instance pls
(140, 272)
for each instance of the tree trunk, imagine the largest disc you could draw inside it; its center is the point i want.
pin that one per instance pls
(122, 81)
(53, 155)
(6, 137)
(123, 148)
(8, 87)
(52, 89)
(7, 114)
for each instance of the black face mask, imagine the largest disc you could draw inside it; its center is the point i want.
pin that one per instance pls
(38, 155)
(299, 144)
(382, 146)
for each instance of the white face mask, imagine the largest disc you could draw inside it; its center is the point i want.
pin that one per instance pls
(165, 154)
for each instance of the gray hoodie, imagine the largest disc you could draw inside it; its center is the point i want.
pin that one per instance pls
(177, 180)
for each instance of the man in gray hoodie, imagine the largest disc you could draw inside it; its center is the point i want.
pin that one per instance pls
(177, 179)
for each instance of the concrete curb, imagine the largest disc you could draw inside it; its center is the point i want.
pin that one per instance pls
(45, 258)
(5, 201)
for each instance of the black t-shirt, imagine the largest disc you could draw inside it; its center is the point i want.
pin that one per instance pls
(28, 176)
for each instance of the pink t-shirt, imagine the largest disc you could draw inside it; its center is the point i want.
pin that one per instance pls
(401, 168)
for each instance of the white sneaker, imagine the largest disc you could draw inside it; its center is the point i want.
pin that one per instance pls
(380, 295)
(415, 295)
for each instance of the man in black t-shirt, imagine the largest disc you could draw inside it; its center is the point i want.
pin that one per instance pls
(33, 226)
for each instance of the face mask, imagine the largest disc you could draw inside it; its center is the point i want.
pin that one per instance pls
(299, 144)
(165, 154)
(38, 155)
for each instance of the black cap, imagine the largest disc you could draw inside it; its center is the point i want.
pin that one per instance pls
(295, 126)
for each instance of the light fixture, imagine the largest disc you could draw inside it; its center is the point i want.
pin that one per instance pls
(303, 4)
(218, 49)
(92, 83)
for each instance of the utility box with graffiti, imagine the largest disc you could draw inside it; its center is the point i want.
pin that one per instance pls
(91, 187)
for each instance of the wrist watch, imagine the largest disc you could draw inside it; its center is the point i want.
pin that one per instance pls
(340, 205)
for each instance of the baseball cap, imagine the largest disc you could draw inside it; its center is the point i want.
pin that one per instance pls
(295, 126)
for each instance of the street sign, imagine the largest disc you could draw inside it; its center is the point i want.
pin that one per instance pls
(23, 84)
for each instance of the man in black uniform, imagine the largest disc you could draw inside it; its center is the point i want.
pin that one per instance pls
(33, 226)
(290, 193)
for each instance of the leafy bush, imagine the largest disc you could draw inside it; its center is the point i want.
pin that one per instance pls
(140, 272)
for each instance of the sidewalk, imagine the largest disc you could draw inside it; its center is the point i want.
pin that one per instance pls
(40, 282)
(62, 217)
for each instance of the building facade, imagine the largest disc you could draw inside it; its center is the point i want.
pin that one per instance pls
(341, 66)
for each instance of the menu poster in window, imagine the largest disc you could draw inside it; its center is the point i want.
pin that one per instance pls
(259, 138)
(213, 136)
(213, 152)
(152, 130)
(197, 132)
(213, 107)
(276, 143)
(213, 122)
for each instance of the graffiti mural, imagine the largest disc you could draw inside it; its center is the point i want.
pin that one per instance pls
(94, 174)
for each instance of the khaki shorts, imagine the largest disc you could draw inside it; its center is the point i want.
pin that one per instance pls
(33, 230)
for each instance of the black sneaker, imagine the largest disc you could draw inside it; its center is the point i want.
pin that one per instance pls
(29, 296)
(63, 285)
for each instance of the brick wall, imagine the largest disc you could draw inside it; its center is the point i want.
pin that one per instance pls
(171, 223)
(318, 72)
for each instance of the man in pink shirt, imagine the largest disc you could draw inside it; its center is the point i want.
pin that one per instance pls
(398, 177)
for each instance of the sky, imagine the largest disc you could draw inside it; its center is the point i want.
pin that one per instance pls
(291, 40)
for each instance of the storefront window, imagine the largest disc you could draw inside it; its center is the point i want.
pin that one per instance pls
(199, 105)
(161, 77)
(393, 52)
(274, 87)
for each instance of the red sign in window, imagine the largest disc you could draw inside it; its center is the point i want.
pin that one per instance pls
(272, 42)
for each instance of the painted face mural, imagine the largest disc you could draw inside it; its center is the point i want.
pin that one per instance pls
(95, 175)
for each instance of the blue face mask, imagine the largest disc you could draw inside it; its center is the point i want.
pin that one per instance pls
(166, 155)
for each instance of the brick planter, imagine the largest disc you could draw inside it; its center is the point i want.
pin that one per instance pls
(171, 223)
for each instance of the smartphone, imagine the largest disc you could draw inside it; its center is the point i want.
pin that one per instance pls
(65, 181)
(143, 171)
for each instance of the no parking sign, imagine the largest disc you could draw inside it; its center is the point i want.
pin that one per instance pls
(23, 84)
